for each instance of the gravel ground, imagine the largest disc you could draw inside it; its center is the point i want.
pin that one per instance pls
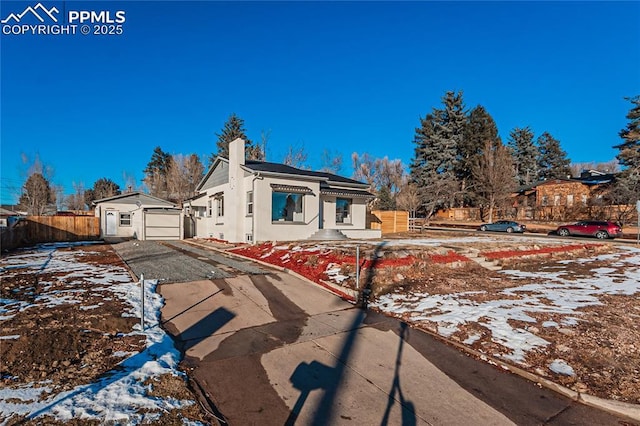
(179, 262)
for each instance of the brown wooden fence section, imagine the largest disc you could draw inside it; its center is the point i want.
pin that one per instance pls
(391, 221)
(50, 229)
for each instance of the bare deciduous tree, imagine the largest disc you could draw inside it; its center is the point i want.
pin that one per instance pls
(183, 175)
(494, 176)
(296, 156)
(331, 162)
(364, 168)
(385, 176)
(76, 201)
(408, 198)
(37, 195)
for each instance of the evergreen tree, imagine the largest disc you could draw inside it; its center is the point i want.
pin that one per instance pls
(160, 162)
(156, 173)
(626, 188)
(232, 130)
(525, 155)
(102, 188)
(552, 160)
(480, 128)
(37, 195)
(433, 168)
(629, 149)
(385, 199)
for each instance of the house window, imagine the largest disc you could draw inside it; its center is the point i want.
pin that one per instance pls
(250, 203)
(220, 207)
(569, 199)
(545, 200)
(556, 200)
(209, 208)
(125, 219)
(343, 210)
(584, 200)
(287, 207)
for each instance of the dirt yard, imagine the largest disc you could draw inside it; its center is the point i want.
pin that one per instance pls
(60, 331)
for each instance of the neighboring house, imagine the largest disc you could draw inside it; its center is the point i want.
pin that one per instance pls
(249, 201)
(139, 216)
(558, 198)
(567, 192)
(6, 217)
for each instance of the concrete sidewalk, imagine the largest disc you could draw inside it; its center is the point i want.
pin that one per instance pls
(274, 349)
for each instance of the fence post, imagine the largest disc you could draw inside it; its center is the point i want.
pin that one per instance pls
(357, 268)
(142, 301)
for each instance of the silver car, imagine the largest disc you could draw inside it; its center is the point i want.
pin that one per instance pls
(503, 226)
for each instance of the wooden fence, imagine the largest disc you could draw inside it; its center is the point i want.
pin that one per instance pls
(49, 229)
(391, 221)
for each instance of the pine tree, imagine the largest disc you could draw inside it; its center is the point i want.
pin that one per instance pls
(385, 200)
(156, 173)
(232, 130)
(629, 155)
(525, 155)
(626, 188)
(102, 188)
(480, 128)
(552, 160)
(433, 168)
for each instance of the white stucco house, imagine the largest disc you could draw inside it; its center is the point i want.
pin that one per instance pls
(242, 200)
(139, 216)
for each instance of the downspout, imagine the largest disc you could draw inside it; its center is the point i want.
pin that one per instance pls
(253, 213)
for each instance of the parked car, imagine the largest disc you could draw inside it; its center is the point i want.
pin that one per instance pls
(591, 228)
(503, 226)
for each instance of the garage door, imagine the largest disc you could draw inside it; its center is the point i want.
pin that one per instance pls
(162, 225)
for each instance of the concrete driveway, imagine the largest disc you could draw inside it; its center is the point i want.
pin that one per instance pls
(270, 349)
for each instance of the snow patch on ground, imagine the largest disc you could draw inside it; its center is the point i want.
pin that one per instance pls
(559, 295)
(560, 366)
(120, 395)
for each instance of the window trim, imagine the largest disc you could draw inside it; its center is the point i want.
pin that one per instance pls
(120, 214)
(349, 213)
(219, 209)
(289, 222)
(249, 203)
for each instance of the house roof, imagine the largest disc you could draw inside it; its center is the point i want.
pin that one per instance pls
(195, 197)
(595, 178)
(5, 212)
(266, 167)
(138, 196)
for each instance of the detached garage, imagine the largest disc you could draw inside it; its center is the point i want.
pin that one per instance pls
(136, 215)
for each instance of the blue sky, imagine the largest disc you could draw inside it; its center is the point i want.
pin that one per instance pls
(343, 76)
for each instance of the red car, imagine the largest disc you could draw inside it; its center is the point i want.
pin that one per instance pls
(591, 228)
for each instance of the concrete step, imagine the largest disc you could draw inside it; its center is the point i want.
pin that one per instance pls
(328, 235)
(474, 255)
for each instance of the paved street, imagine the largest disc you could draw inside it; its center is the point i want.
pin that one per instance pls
(271, 349)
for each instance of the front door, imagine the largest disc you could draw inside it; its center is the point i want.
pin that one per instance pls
(111, 222)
